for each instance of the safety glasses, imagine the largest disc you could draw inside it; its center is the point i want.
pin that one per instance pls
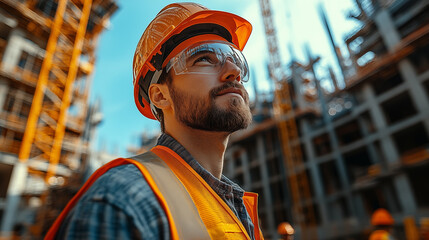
(208, 58)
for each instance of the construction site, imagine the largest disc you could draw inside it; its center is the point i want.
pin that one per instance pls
(325, 161)
(322, 160)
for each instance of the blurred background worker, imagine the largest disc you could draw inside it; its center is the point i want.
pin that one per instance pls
(188, 74)
(285, 231)
(424, 229)
(383, 225)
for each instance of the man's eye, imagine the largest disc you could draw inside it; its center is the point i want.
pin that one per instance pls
(202, 59)
(207, 58)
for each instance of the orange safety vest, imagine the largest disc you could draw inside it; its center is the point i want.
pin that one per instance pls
(380, 235)
(193, 209)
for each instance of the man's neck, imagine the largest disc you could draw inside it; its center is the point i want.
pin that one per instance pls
(208, 148)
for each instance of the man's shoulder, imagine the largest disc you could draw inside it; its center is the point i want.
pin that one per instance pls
(120, 196)
(120, 185)
(122, 176)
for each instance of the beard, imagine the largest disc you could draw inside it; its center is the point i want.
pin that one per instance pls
(203, 113)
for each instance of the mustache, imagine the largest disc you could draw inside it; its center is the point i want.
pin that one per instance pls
(214, 92)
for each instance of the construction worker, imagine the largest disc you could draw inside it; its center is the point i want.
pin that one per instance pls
(286, 231)
(424, 228)
(188, 74)
(383, 225)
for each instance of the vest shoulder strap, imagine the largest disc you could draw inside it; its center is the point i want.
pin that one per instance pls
(187, 220)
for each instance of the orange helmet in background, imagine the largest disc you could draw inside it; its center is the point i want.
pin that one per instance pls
(175, 27)
(382, 217)
(285, 228)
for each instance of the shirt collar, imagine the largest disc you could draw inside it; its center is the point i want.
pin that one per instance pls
(223, 186)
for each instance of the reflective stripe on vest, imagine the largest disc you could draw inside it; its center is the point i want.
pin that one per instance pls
(380, 235)
(186, 219)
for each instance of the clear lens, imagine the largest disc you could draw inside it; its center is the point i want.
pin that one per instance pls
(208, 58)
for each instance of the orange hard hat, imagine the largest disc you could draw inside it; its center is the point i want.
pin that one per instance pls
(381, 217)
(285, 228)
(177, 26)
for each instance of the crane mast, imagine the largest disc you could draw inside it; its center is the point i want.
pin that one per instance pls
(285, 117)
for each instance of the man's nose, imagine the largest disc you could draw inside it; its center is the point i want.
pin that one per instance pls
(231, 72)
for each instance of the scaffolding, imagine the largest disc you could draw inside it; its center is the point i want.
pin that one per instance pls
(44, 122)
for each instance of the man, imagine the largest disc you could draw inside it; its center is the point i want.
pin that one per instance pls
(188, 74)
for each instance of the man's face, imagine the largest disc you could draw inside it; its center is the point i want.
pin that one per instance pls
(214, 102)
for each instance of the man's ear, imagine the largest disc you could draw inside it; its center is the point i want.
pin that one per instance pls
(159, 95)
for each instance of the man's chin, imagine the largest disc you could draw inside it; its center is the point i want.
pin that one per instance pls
(228, 121)
(236, 103)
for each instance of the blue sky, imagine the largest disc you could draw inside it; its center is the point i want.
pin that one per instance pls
(297, 23)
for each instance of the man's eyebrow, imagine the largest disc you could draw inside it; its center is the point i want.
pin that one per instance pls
(196, 53)
(201, 49)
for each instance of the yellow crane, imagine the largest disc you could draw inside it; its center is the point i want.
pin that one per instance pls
(46, 124)
(284, 113)
(56, 77)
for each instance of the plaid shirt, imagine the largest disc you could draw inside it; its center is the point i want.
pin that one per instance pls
(121, 205)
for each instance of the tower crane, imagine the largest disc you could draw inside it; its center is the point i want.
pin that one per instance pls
(284, 113)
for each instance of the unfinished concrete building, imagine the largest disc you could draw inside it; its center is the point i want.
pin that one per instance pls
(367, 147)
(47, 53)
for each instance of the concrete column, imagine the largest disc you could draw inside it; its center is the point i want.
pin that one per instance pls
(405, 194)
(318, 188)
(416, 90)
(365, 132)
(387, 29)
(387, 146)
(260, 151)
(389, 196)
(246, 170)
(317, 182)
(359, 205)
(14, 192)
(13, 50)
(3, 93)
